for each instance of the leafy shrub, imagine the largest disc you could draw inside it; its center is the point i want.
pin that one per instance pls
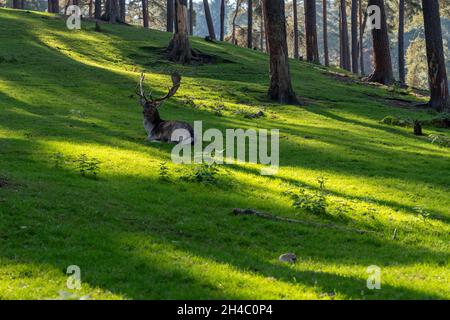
(394, 121)
(88, 167)
(59, 160)
(440, 140)
(204, 173)
(164, 171)
(312, 201)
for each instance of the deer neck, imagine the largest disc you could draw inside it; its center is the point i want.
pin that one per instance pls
(151, 120)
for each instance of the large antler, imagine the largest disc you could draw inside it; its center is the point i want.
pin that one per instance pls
(141, 92)
(176, 81)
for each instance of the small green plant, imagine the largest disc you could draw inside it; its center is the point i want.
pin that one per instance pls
(394, 121)
(164, 171)
(59, 160)
(440, 140)
(322, 180)
(88, 167)
(314, 202)
(422, 214)
(204, 173)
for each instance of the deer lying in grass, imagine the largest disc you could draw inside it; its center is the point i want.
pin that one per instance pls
(159, 130)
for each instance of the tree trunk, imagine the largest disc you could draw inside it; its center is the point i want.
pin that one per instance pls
(261, 29)
(312, 49)
(381, 52)
(122, 10)
(250, 24)
(437, 74)
(325, 34)
(113, 11)
(209, 20)
(179, 49)
(91, 8)
(145, 13)
(191, 18)
(53, 6)
(294, 7)
(343, 37)
(98, 9)
(361, 38)
(236, 12)
(170, 14)
(354, 18)
(17, 4)
(280, 80)
(222, 19)
(401, 42)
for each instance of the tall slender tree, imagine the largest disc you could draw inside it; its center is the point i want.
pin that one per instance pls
(343, 36)
(325, 33)
(98, 9)
(250, 24)
(53, 6)
(145, 13)
(233, 22)
(170, 15)
(179, 49)
(294, 8)
(354, 21)
(209, 21)
(382, 72)
(362, 17)
(113, 11)
(401, 41)
(280, 88)
(312, 49)
(437, 74)
(191, 18)
(222, 19)
(122, 10)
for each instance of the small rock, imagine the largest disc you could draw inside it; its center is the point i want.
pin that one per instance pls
(288, 257)
(259, 114)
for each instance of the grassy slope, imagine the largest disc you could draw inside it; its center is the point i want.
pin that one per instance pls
(137, 237)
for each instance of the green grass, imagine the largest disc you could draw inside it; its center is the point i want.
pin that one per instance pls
(137, 237)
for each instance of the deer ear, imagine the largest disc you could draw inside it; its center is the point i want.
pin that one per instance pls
(143, 102)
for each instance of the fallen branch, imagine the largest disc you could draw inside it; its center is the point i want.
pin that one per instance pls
(239, 211)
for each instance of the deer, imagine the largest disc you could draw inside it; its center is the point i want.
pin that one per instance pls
(159, 130)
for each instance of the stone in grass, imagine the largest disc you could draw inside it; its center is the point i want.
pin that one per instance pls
(288, 257)
(259, 114)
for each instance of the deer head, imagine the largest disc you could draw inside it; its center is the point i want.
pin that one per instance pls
(147, 101)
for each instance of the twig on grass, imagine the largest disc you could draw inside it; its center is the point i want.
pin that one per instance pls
(239, 211)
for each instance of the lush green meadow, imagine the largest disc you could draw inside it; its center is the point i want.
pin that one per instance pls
(136, 236)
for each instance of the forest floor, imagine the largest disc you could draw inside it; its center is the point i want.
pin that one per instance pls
(136, 235)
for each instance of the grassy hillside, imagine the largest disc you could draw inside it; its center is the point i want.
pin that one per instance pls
(68, 93)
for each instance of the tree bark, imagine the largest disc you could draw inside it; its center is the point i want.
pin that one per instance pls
(343, 37)
(98, 9)
(145, 13)
(17, 4)
(325, 34)
(312, 49)
(261, 29)
(381, 52)
(91, 8)
(236, 12)
(401, 42)
(354, 18)
(361, 38)
(280, 88)
(53, 6)
(170, 15)
(179, 49)
(209, 20)
(294, 8)
(191, 18)
(250, 24)
(437, 74)
(222, 19)
(122, 10)
(113, 10)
